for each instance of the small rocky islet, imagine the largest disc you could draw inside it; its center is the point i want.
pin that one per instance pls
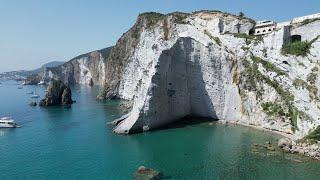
(57, 93)
(144, 173)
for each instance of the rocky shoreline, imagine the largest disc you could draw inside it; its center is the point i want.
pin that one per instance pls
(286, 135)
(304, 148)
(287, 143)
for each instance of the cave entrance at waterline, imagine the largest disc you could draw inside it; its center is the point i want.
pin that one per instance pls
(183, 94)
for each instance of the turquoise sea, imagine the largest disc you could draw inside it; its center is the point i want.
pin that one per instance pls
(75, 143)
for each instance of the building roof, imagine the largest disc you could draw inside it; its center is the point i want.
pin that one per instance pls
(264, 23)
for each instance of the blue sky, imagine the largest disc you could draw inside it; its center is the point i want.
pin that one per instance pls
(33, 32)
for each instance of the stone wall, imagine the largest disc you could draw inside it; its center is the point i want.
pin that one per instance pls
(311, 28)
(303, 18)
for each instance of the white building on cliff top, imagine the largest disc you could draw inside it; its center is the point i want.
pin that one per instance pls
(264, 27)
(267, 26)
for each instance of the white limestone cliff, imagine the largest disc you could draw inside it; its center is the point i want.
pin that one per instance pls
(205, 66)
(86, 69)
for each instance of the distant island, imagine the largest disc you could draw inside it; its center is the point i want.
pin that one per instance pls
(23, 74)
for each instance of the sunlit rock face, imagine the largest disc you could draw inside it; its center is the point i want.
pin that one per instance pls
(206, 67)
(190, 79)
(87, 69)
(206, 64)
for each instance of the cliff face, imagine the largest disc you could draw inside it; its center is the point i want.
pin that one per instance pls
(205, 64)
(88, 69)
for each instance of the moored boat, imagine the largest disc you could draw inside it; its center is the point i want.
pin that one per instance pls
(30, 92)
(35, 95)
(41, 83)
(8, 122)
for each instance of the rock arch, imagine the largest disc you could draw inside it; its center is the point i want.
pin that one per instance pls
(191, 79)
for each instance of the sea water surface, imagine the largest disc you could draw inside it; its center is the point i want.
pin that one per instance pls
(75, 143)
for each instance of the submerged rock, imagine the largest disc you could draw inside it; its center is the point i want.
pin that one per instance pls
(144, 173)
(270, 148)
(284, 143)
(57, 94)
(304, 148)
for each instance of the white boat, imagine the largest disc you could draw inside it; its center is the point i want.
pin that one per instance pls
(41, 83)
(8, 122)
(35, 95)
(30, 92)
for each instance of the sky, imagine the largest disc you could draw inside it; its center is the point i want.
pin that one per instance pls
(34, 32)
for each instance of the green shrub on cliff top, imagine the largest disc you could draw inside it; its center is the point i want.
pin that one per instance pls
(180, 19)
(152, 18)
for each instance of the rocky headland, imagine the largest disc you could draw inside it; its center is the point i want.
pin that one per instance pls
(209, 64)
(86, 69)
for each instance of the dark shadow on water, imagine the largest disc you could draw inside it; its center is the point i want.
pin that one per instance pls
(56, 108)
(66, 126)
(186, 121)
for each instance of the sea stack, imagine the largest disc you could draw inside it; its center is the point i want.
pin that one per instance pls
(58, 93)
